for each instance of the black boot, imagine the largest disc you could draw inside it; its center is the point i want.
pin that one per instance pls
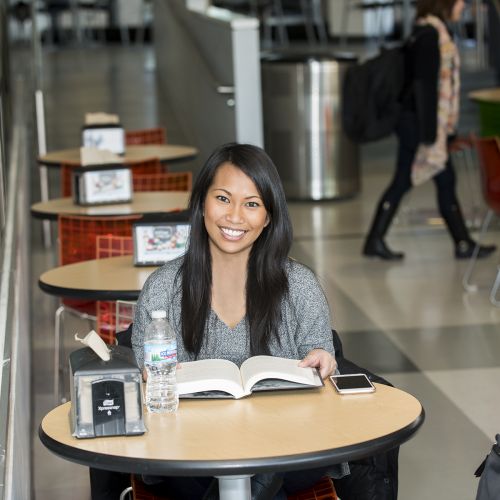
(464, 244)
(465, 249)
(374, 245)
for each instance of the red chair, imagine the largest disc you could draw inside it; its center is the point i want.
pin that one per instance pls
(111, 246)
(77, 242)
(322, 490)
(155, 135)
(488, 151)
(66, 178)
(148, 166)
(171, 181)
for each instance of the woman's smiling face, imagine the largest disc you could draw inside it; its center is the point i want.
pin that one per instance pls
(234, 212)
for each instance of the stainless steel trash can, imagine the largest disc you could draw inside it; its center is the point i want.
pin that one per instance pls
(301, 97)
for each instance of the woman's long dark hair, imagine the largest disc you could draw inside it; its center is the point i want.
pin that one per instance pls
(439, 8)
(267, 281)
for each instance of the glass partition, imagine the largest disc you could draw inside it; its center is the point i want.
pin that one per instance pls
(15, 369)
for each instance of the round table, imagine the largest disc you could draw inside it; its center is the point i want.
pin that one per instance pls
(142, 203)
(489, 110)
(165, 152)
(233, 439)
(113, 278)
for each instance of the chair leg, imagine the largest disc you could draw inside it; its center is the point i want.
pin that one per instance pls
(281, 28)
(318, 15)
(308, 22)
(57, 353)
(345, 21)
(466, 280)
(494, 289)
(127, 493)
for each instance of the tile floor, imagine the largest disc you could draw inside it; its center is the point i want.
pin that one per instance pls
(409, 321)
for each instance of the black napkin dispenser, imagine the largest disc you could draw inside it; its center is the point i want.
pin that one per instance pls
(106, 397)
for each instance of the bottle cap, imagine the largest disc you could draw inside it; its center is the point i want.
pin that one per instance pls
(159, 314)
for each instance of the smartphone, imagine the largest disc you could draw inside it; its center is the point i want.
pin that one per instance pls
(352, 384)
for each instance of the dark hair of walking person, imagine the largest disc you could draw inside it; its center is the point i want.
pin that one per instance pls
(427, 124)
(439, 8)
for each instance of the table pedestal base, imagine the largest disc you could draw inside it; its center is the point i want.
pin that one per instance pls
(234, 487)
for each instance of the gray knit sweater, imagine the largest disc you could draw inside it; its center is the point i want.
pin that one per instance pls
(305, 318)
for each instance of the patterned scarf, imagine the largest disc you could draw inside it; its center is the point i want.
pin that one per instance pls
(430, 160)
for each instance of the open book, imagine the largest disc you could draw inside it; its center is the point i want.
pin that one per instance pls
(219, 378)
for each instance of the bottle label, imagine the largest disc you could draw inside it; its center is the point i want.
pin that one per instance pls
(160, 353)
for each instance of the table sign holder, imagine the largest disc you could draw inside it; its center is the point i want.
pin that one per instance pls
(158, 241)
(110, 137)
(102, 184)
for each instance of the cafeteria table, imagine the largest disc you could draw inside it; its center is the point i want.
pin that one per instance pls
(142, 203)
(112, 278)
(234, 439)
(489, 110)
(170, 153)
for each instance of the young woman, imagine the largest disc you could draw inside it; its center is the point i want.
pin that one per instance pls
(427, 124)
(236, 293)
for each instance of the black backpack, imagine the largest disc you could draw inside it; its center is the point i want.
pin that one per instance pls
(489, 471)
(372, 92)
(374, 477)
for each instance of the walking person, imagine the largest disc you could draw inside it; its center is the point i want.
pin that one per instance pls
(426, 126)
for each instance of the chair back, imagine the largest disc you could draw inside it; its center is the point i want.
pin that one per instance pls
(66, 175)
(154, 135)
(109, 245)
(78, 234)
(488, 151)
(171, 181)
(146, 166)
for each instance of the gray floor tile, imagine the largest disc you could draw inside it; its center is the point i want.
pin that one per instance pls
(450, 347)
(376, 352)
(439, 462)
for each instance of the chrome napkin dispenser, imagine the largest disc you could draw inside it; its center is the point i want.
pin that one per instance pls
(106, 396)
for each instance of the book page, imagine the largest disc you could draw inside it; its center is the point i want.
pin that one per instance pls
(209, 375)
(260, 368)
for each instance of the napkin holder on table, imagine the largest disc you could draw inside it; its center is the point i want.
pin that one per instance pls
(102, 184)
(106, 397)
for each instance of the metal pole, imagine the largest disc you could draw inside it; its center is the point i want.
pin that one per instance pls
(480, 52)
(77, 29)
(2, 168)
(40, 122)
(407, 19)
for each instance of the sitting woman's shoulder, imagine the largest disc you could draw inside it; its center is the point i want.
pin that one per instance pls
(166, 274)
(299, 273)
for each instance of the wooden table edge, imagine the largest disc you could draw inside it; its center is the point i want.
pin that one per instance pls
(47, 162)
(88, 294)
(484, 95)
(230, 467)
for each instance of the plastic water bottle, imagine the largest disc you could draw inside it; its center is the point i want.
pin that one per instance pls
(160, 361)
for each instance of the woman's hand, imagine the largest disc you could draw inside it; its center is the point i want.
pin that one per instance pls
(319, 358)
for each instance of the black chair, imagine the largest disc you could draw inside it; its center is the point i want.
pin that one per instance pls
(372, 477)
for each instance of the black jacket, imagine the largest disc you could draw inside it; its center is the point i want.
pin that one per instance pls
(422, 77)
